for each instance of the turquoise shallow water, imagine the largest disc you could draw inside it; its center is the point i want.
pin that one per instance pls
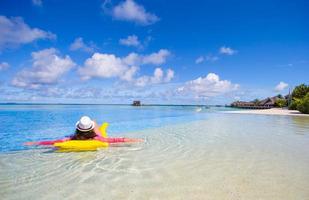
(21, 123)
(186, 155)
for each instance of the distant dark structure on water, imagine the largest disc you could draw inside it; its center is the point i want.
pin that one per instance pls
(136, 103)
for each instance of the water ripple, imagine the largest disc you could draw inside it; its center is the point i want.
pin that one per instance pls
(229, 156)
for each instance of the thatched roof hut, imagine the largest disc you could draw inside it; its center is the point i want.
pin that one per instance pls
(270, 101)
(136, 103)
(242, 104)
(263, 104)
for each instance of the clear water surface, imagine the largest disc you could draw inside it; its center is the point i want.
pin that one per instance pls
(188, 153)
(22, 123)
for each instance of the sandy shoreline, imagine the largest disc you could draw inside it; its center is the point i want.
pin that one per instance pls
(272, 111)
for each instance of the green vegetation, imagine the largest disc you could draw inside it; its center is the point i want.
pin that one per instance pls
(303, 105)
(300, 91)
(300, 99)
(293, 105)
(281, 103)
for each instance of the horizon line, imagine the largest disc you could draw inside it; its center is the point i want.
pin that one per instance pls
(108, 104)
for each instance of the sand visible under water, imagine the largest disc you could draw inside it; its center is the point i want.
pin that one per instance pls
(225, 157)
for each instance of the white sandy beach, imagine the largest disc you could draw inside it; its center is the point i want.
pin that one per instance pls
(272, 111)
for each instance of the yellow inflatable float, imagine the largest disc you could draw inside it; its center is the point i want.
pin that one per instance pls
(84, 145)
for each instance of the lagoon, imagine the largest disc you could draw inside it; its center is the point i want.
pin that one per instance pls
(188, 153)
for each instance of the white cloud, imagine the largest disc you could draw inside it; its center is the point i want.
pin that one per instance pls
(158, 77)
(133, 59)
(37, 2)
(15, 31)
(227, 50)
(199, 60)
(125, 69)
(129, 74)
(156, 58)
(207, 58)
(105, 66)
(212, 58)
(47, 68)
(169, 75)
(4, 65)
(131, 40)
(129, 10)
(79, 44)
(281, 86)
(209, 86)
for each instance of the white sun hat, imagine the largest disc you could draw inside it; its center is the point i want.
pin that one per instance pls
(85, 124)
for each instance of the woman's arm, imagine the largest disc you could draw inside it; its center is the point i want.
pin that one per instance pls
(109, 140)
(112, 140)
(96, 128)
(133, 140)
(46, 142)
(117, 140)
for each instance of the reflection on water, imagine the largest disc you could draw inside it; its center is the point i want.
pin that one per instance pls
(224, 157)
(301, 125)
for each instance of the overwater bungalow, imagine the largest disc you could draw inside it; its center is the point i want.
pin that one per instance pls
(243, 104)
(267, 103)
(136, 103)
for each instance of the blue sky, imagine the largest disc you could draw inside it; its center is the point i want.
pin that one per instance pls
(210, 52)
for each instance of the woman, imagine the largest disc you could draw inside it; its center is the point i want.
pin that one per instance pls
(86, 129)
